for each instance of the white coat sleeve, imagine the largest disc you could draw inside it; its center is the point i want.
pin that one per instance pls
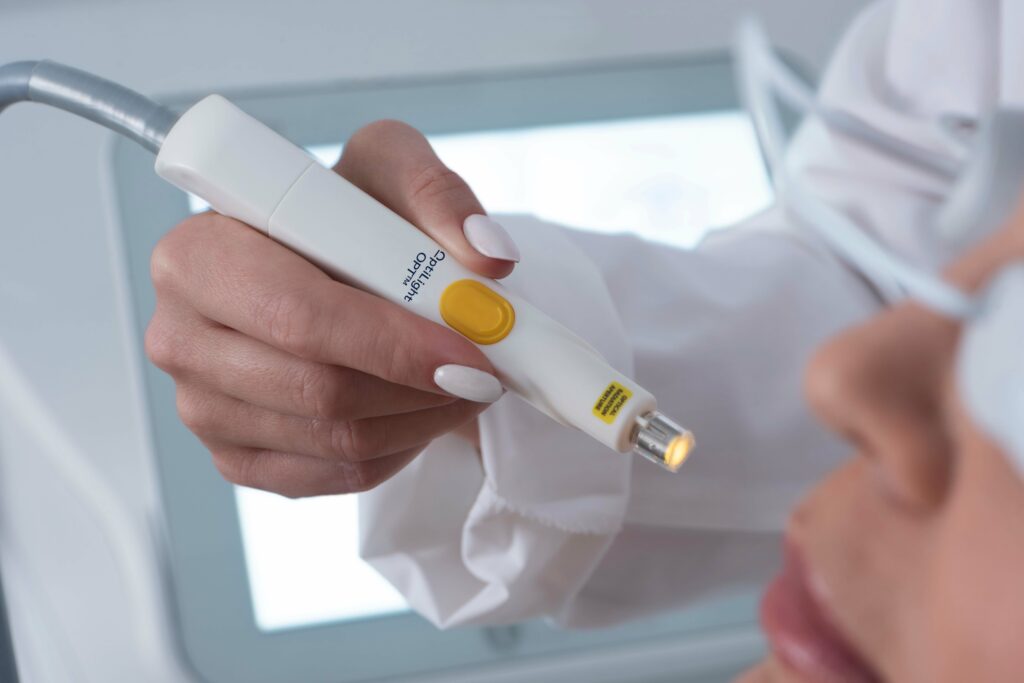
(544, 522)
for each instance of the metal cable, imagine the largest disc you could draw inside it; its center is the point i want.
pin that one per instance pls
(114, 106)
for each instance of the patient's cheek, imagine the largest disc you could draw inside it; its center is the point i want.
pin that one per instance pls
(979, 611)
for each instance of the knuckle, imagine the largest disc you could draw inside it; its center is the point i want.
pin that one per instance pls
(178, 255)
(330, 437)
(392, 346)
(373, 134)
(369, 438)
(357, 477)
(173, 256)
(229, 465)
(434, 182)
(366, 476)
(194, 412)
(163, 347)
(290, 320)
(366, 144)
(247, 468)
(320, 393)
(353, 441)
(341, 440)
(360, 478)
(168, 264)
(253, 469)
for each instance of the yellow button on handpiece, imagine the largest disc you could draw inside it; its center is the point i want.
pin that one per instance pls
(477, 312)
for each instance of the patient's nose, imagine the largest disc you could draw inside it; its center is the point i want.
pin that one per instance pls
(880, 386)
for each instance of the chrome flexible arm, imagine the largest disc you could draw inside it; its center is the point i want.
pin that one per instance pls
(104, 102)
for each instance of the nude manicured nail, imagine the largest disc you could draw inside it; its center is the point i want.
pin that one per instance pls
(468, 383)
(489, 238)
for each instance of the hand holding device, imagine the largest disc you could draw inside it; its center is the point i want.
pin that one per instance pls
(297, 383)
(248, 172)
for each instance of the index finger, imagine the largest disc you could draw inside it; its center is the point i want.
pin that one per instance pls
(396, 165)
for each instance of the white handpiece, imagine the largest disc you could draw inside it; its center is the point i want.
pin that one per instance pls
(249, 172)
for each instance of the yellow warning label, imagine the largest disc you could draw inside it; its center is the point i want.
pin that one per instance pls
(610, 402)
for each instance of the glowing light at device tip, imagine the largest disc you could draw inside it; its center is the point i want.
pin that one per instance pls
(679, 450)
(662, 441)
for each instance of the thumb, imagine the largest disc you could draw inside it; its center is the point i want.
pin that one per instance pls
(395, 164)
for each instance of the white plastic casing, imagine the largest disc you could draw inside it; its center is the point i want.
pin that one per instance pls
(247, 171)
(238, 165)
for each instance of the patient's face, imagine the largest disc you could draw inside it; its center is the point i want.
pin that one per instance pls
(907, 563)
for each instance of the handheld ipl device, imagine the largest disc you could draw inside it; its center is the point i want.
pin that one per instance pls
(246, 171)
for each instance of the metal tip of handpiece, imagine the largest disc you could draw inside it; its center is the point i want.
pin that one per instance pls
(661, 440)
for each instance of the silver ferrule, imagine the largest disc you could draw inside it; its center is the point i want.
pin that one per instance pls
(661, 440)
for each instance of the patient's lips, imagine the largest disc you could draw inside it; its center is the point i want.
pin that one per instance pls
(800, 633)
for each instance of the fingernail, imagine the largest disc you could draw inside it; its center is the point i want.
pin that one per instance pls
(468, 383)
(489, 238)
